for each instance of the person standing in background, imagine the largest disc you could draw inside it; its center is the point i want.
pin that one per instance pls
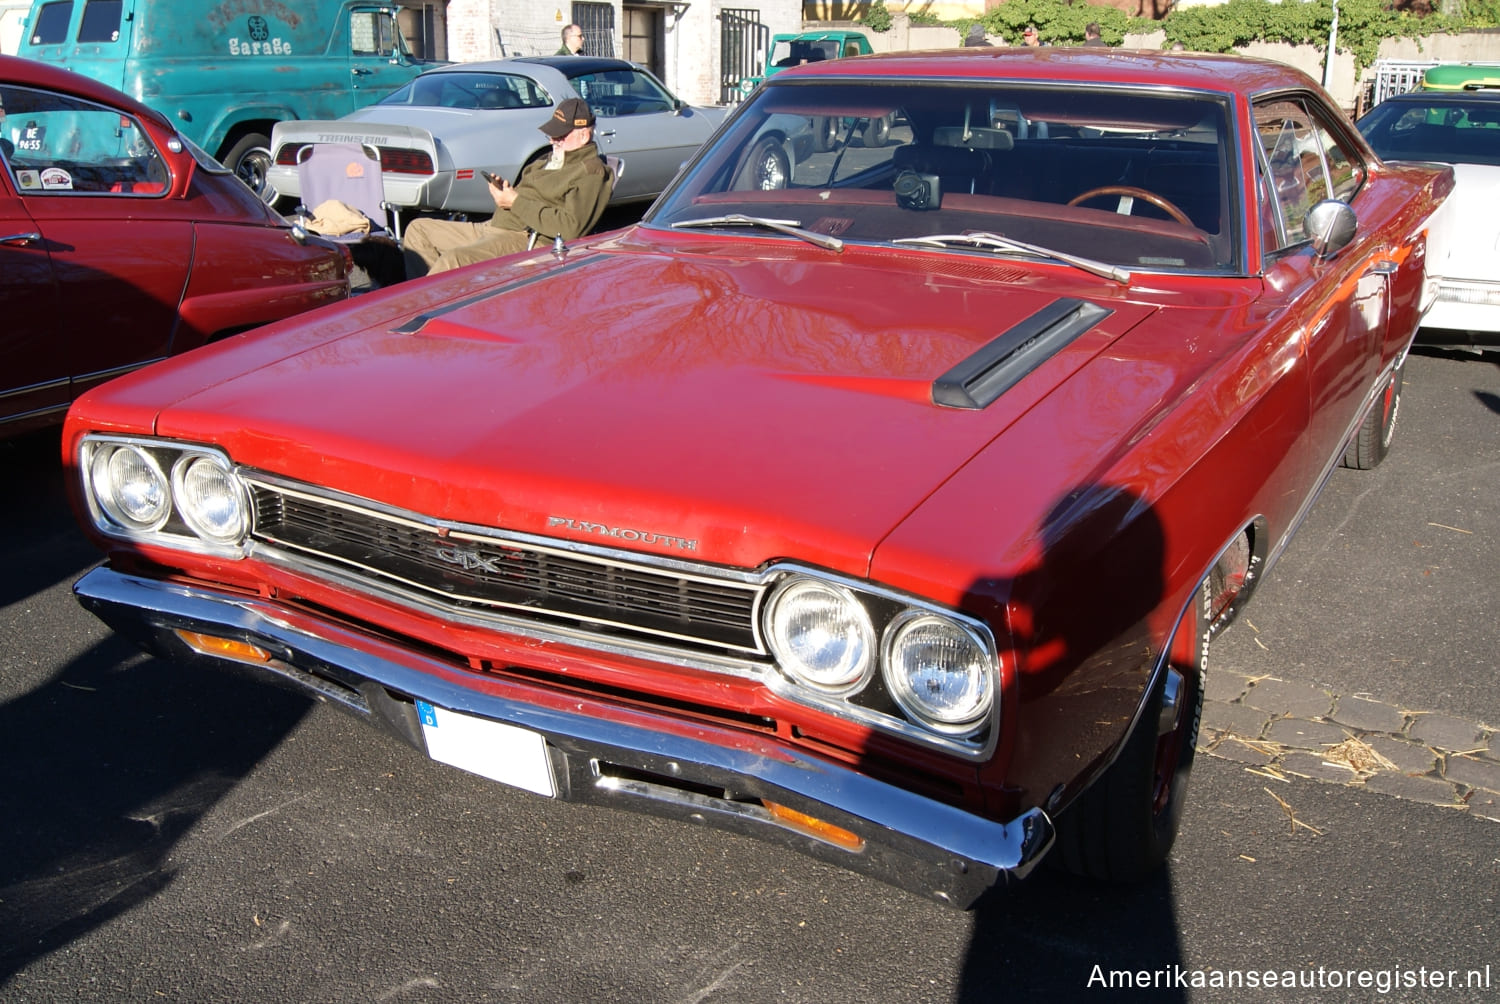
(1091, 34)
(572, 41)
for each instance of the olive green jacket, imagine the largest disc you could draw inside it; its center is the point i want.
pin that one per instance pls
(564, 202)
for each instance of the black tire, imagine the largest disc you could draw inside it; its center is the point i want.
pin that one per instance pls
(877, 132)
(767, 168)
(1373, 442)
(250, 159)
(825, 133)
(1122, 827)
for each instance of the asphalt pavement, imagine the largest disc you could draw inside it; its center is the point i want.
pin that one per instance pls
(191, 837)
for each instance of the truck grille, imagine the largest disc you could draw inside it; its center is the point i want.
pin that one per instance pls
(479, 571)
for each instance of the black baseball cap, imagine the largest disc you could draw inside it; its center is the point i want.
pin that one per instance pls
(574, 113)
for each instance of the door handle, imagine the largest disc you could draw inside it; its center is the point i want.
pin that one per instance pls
(605, 133)
(20, 240)
(359, 71)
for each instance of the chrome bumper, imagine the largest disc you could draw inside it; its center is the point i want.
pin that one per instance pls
(628, 759)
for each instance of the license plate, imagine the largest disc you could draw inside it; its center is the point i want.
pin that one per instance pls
(500, 752)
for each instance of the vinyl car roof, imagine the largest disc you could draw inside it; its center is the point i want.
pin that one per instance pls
(1071, 64)
(1435, 98)
(568, 66)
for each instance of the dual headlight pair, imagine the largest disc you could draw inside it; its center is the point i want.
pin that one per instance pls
(939, 670)
(831, 641)
(135, 488)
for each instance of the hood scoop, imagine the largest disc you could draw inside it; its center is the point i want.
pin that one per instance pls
(978, 381)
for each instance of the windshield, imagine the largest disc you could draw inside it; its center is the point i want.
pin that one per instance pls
(1130, 177)
(1454, 132)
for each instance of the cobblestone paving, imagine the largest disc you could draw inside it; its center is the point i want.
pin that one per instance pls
(1282, 729)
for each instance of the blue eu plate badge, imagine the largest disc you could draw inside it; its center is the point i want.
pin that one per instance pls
(500, 752)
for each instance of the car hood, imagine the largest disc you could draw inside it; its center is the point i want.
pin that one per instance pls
(1461, 245)
(732, 410)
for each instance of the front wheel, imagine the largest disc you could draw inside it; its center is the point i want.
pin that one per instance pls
(1123, 826)
(1373, 442)
(250, 160)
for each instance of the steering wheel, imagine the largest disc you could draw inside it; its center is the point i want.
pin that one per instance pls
(1127, 191)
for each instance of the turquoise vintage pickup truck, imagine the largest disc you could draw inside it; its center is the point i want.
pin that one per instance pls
(225, 72)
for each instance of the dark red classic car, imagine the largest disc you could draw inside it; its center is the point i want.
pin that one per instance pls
(121, 244)
(878, 495)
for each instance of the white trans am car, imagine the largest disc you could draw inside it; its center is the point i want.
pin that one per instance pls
(1461, 128)
(441, 129)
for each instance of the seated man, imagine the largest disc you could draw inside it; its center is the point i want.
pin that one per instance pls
(559, 196)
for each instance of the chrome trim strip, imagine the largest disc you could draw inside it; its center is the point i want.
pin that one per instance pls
(35, 388)
(912, 841)
(101, 375)
(55, 409)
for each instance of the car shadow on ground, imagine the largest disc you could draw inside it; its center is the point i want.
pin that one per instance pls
(106, 764)
(1100, 580)
(1061, 936)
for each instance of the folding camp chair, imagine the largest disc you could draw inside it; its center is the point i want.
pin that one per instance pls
(351, 174)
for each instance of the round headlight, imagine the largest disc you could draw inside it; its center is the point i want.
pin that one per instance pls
(131, 488)
(821, 635)
(210, 499)
(939, 672)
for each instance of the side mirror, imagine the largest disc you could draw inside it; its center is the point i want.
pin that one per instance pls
(1331, 224)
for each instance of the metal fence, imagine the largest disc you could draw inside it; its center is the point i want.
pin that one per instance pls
(743, 45)
(598, 23)
(1397, 76)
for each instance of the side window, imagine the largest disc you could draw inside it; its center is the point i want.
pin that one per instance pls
(372, 33)
(1293, 159)
(1345, 172)
(622, 92)
(58, 145)
(100, 22)
(51, 26)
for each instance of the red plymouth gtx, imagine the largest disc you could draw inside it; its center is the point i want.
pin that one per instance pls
(121, 243)
(880, 498)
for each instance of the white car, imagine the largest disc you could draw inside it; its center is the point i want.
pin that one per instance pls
(1461, 128)
(441, 130)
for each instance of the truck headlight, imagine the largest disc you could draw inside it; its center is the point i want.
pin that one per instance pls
(939, 672)
(821, 635)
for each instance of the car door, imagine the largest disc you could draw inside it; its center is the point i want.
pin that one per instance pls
(35, 375)
(640, 122)
(378, 63)
(1345, 300)
(92, 187)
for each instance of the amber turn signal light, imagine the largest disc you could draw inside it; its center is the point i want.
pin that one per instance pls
(224, 648)
(814, 827)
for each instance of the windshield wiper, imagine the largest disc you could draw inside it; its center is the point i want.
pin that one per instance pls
(791, 227)
(985, 239)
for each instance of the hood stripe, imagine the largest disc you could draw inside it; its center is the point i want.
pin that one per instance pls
(979, 380)
(418, 322)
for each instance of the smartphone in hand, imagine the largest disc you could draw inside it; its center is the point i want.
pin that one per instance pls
(493, 179)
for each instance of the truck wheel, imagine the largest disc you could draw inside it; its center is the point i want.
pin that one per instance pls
(1373, 442)
(250, 158)
(877, 131)
(1122, 827)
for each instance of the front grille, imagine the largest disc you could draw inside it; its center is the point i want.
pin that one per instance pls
(478, 571)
